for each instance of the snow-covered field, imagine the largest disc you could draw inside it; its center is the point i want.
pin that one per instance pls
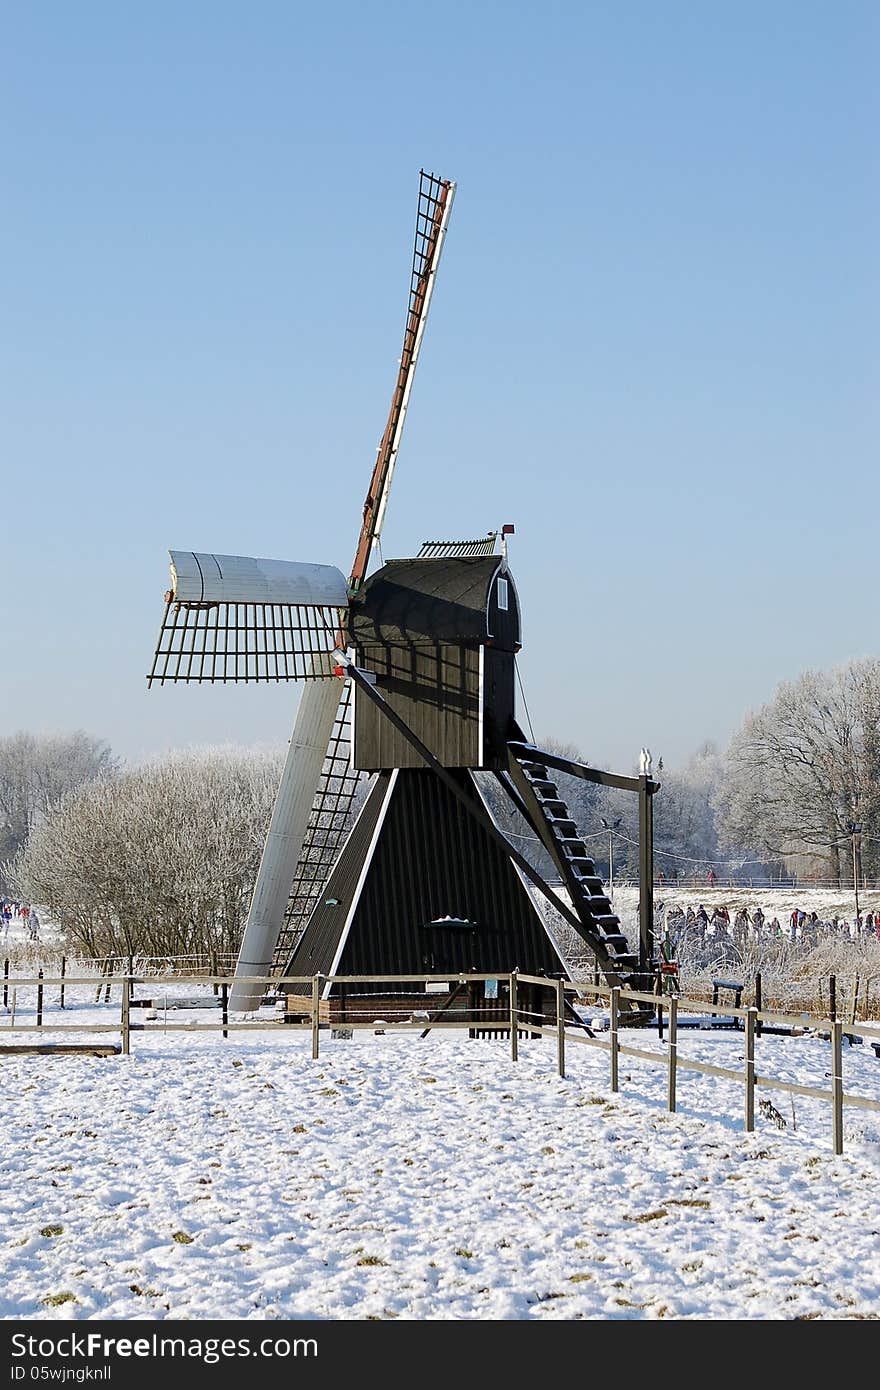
(432, 1179)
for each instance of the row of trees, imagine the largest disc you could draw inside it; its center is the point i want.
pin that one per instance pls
(158, 859)
(798, 788)
(161, 859)
(38, 771)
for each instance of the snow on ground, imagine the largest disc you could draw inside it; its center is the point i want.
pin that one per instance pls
(427, 1179)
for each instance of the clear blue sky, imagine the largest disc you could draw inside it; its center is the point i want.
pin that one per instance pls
(653, 345)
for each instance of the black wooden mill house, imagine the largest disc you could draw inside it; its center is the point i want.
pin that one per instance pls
(435, 873)
(425, 881)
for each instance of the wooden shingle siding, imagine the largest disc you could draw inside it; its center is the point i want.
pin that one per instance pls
(426, 629)
(435, 689)
(430, 860)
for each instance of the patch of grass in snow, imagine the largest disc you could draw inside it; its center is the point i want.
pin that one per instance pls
(580, 1278)
(688, 1202)
(648, 1215)
(54, 1300)
(328, 1091)
(692, 1266)
(182, 1238)
(49, 1231)
(371, 1260)
(246, 1245)
(463, 1251)
(548, 1149)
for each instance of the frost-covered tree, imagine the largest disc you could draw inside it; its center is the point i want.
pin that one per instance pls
(685, 834)
(158, 860)
(806, 767)
(36, 771)
(580, 796)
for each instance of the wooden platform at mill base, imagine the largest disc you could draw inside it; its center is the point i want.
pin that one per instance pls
(60, 1049)
(484, 1017)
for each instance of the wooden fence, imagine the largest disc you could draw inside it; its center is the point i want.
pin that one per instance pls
(520, 1019)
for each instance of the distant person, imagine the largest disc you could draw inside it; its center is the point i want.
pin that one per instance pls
(710, 878)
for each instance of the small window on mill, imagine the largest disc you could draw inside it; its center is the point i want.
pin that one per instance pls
(502, 594)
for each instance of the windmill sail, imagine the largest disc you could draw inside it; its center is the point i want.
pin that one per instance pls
(432, 220)
(332, 814)
(314, 801)
(233, 618)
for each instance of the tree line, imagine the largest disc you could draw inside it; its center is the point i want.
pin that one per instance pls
(796, 790)
(161, 858)
(158, 859)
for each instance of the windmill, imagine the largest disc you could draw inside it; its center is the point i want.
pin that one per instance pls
(408, 678)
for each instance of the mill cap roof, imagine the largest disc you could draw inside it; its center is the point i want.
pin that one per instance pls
(449, 599)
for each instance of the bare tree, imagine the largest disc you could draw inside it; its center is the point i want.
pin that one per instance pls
(37, 770)
(806, 767)
(159, 860)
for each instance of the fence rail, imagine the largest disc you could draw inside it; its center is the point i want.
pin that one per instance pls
(522, 1018)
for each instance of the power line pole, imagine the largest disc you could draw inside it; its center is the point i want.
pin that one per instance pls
(611, 826)
(855, 830)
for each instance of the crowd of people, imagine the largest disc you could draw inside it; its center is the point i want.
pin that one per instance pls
(11, 909)
(755, 926)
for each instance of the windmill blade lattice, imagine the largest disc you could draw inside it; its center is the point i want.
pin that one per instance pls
(245, 642)
(234, 618)
(337, 798)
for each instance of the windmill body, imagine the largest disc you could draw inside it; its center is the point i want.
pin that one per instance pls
(424, 873)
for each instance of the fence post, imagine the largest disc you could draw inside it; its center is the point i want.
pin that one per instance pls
(832, 997)
(615, 1015)
(316, 1006)
(751, 1020)
(560, 1026)
(109, 979)
(126, 1001)
(213, 969)
(514, 1022)
(759, 1001)
(224, 1005)
(6, 982)
(673, 1053)
(63, 973)
(40, 998)
(837, 1083)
